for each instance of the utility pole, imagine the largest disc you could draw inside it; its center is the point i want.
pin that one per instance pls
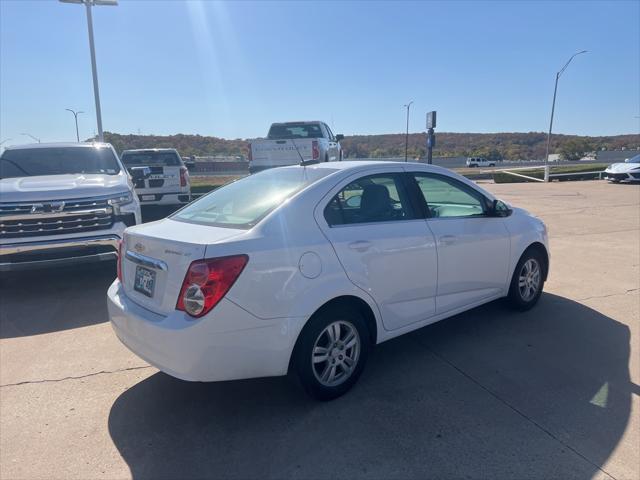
(553, 107)
(94, 70)
(75, 115)
(406, 137)
(431, 136)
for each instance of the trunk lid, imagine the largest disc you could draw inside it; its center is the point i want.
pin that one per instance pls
(157, 256)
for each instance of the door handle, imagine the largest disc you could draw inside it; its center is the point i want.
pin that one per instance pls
(360, 245)
(448, 239)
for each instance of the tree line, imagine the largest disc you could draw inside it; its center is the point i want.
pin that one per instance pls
(493, 146)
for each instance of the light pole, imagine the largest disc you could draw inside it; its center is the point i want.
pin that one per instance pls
(406, 137)
(553, 107)
(75, 115)
(32, 137)
(96, 93)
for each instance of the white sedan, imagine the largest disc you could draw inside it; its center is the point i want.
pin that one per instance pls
(629, 171)
(306, 268)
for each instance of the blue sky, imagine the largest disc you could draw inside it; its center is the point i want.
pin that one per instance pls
(230, 69)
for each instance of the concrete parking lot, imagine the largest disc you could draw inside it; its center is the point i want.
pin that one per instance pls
(550, 393)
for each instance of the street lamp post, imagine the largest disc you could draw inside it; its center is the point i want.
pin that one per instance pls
(75, 114)
(553, 107)
(406, 137)
(96, 92)
(31, 136)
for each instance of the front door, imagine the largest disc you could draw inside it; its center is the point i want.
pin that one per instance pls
(473, 247)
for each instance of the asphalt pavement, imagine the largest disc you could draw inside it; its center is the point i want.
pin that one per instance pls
(488, 394)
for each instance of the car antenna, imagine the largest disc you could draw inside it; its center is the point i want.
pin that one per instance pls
(303, 162)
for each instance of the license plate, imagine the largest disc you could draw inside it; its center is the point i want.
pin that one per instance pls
(145, 281)
(156, 177)
(148, 197)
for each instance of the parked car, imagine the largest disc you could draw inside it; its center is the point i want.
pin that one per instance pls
(292, 142)
(629, 171)
(307, 268)
(168, 182)
(63, 203)
(480, 162)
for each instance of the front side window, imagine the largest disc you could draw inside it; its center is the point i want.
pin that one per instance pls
(370, 199)
(448, 198)
(30, 162)
(242, 204)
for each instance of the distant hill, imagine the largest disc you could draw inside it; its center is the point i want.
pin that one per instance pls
(513, 146)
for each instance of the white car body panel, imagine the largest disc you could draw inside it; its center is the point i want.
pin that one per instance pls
(297, 263)
(629, 171)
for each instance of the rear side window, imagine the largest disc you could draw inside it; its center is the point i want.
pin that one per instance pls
(370, 199)
(29, 162)
(155, 159)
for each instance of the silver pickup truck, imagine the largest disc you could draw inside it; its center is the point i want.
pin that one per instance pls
(63, 203)
(291, 142)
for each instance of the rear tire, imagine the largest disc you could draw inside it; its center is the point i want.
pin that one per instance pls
(331, 352)
(527, 281)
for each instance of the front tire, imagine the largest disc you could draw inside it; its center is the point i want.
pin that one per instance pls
(527, 281)
(331, 352)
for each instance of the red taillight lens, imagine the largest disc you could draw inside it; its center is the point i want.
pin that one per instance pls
(184, 176)
(250, 154)
(207, 282)
(315, 149)
(120, 259)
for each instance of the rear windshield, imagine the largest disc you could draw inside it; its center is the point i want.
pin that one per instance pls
(242, 204)
(294, 130)
(29, 162)
(166, 159)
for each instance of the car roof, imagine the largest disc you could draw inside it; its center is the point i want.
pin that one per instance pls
(142, 150)
(357, 165)
(60, 145)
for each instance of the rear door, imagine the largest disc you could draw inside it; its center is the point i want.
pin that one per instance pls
(384, 246)
(473, 247)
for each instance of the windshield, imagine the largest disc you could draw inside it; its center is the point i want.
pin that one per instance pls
(242, 204)
(29, 162)
(169, 159)
(294, 130)
(635, 159)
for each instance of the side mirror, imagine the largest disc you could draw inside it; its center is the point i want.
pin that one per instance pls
(190, 165)
(339, 137)
(500, 209)
(140, 173)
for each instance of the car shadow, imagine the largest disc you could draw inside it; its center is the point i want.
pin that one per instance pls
(53, 299)
(487, 394)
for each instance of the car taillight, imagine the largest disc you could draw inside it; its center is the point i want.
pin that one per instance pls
(250, 154)
(120, 260)
(315, 149)
(184, 176)
(207, 282)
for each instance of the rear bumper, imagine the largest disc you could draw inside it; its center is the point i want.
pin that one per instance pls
(227, 344)
(176, 198)
(49, 253)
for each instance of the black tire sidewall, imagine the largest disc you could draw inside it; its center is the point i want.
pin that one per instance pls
(305, 345)
(514, 291)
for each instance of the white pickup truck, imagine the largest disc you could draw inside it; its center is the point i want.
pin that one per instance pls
(291, 142)
(480, 162)
(63, 203)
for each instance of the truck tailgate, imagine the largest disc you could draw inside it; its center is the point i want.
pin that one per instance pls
(280, 152)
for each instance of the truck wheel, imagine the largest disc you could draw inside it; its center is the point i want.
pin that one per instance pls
(331, 352)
